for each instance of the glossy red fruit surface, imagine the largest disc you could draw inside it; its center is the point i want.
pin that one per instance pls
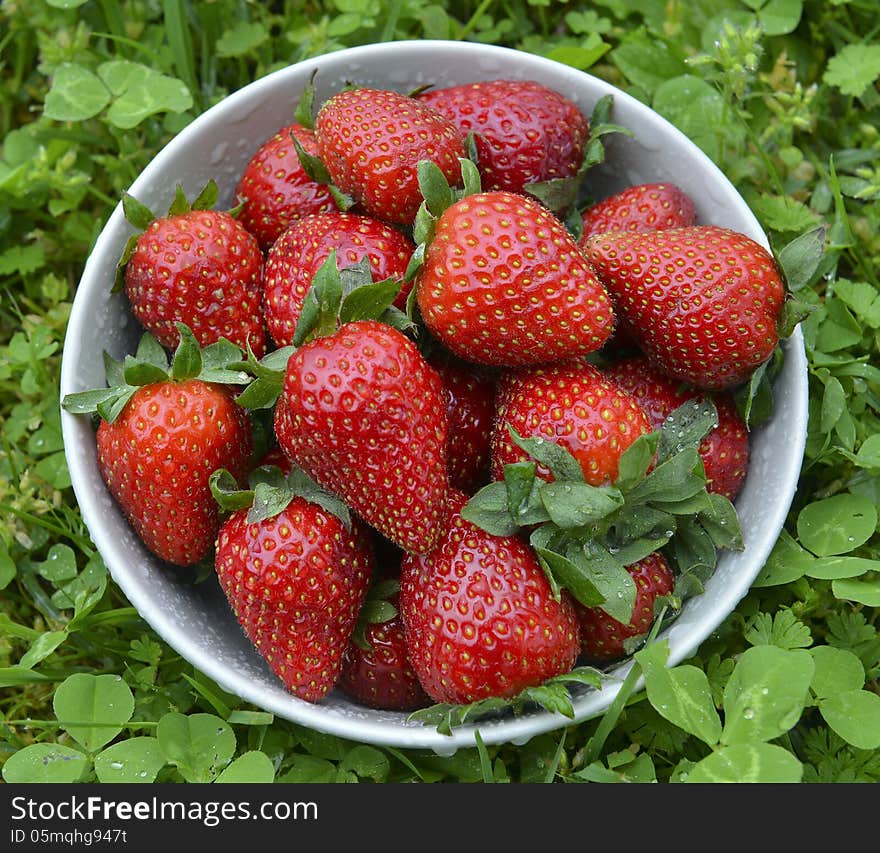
(480, 618)
(299, 252)
(381, 675)
(504, 283)
(701, 302)
(603, 637)
(725, 451)
(275, 188)
(203, 269)
(371, 141)
(526, 132)
(364, 415)
(158, 456)
(296, 582)
(573, 405)
(471, 410)
(643, 207)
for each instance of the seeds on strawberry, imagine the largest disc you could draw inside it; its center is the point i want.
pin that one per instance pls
(571, 404)
(379, 674)
(201, 268)
(701, 302)
(479, 616)
(504, 283)
(644, 207)
(471, 409)
(298, 253)
(725, 451)
(525, 131)
(371, 141)
(158, 455)
(295, 582)
(365, 416)
(603, 638)
(275, 188)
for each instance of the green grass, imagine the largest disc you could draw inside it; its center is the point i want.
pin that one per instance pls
(782, 94)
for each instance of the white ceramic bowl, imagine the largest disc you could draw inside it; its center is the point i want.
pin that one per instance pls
(196, 620)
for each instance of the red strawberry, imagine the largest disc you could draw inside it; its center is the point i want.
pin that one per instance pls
(725, 451)
(371, 141)
(471, 409)
(158, 454)
(296, 256)
(526, 132)
(702, 302)
(378, 673)
(201, 268)
(364, 415)
(571, 404)
(296, 582)
(504, 283)
(275, 188)
(644, 207)
(480, 618)
(602, 636)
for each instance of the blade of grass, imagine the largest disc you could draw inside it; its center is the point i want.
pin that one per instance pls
(177, 30)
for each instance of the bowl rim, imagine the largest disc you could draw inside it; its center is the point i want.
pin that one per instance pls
(516, 730)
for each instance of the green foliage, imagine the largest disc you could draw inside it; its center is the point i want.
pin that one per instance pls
(782, 94)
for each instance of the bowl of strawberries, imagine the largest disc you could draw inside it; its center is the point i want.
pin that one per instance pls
(412, 388)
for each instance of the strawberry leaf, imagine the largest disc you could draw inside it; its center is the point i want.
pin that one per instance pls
(187, 361)
(138, 373)
(137, 213)
(571, 505)
(435, 189)
(207, 198)
(570, 575)
(127, 252)
(686, 427)
(489, 509)
(800, 259)
(268, 373)
(305, 109)
(226, 491)
(369, 301)
(561, 464)
(635, 461)
(150, 351)
(180, 204)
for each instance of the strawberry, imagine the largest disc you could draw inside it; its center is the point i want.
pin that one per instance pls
(702, 302)
(643, 207)
(159, 442)
(371, 141)
(295, 575)
(470, 408)
(602, 636)
(480, 618)
(298, 253)
(364, 415)
(198, 267)
(503, 283)
(525, 131)
(275, 188)
(376, 670)
(725, 451)
(573, 405)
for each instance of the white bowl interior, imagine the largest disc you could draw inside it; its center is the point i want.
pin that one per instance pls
(196, 620)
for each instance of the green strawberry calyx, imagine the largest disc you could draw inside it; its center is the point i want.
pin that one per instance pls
(218, 363)
(376, 610)
(141, 217)
(561, 195)
(270, 493)
(586, 536)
